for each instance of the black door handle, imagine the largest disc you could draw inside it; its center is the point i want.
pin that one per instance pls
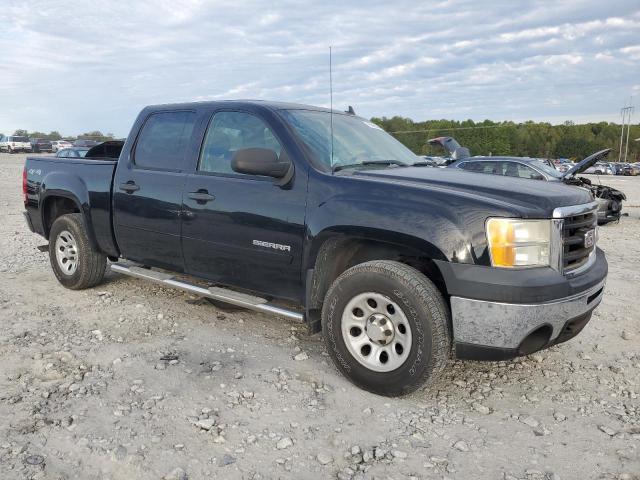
(201, 196)
(129, 187)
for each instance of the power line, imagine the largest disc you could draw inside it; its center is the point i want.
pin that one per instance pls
(450, 128)
(487, 126)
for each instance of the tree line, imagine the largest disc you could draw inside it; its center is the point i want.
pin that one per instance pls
(528, 139)
(54, 135)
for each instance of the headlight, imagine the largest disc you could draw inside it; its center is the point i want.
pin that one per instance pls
(514, 242)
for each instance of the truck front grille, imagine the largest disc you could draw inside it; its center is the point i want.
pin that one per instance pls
(574, 230)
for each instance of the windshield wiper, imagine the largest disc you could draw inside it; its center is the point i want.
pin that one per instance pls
(369, 162)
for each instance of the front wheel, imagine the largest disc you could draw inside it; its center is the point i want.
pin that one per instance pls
(75, 263)
(386, 326)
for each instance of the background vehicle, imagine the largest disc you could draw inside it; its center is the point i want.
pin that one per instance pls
(73, 152)
(85, 143)
(530, 168)
(40, 145)
(430, 161)
(616, 168)
(631, 169)
(609, 199)
(60, 144)
(562, 164)
(396, 263)
(599, 169)
(14, 143)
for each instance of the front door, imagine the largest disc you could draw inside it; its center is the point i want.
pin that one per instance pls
(243, 230)
(148, 188)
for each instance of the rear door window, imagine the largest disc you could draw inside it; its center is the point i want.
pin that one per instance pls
(482, 167)
(164, 140)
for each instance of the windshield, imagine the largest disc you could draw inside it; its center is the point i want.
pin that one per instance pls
(355, 141)
(546, 169)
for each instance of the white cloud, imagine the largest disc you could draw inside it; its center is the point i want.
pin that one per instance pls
(93, 64)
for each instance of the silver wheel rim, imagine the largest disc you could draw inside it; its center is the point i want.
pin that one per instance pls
(376, 332)
(66, 252)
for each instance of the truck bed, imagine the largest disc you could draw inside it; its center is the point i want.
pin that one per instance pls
(91, 181)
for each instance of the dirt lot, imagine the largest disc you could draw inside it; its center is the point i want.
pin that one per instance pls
(85, 394)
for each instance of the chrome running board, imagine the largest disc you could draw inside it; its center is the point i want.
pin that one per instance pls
(225, 295)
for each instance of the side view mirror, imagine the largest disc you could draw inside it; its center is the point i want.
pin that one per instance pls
(261, 161)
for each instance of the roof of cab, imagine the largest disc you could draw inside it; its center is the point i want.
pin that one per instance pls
(270, 105)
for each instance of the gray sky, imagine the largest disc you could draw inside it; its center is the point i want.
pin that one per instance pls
(74, 66)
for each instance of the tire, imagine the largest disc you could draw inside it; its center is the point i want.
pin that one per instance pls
(9, 150)
(409, 305)
(84, 267)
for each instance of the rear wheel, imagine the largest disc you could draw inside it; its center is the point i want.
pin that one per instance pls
(75, 264)
(386, 327)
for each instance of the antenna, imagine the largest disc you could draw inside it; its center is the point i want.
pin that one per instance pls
(331, 103)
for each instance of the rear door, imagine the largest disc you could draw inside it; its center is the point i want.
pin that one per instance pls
(242, 230)
(148, 188)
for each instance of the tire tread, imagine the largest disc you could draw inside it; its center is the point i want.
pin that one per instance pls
(423, 288)
(92, 264)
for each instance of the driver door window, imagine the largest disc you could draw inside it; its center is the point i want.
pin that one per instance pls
(229, 132)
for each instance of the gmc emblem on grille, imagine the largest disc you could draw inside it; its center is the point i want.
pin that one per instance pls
(589, 238)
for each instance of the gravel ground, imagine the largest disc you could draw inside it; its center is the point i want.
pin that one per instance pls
(133, 381)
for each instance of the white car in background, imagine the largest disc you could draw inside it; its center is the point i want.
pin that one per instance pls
(599, 169)
(58, 145)
(14, 143)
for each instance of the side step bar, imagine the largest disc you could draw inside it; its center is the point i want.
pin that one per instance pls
(216, 293)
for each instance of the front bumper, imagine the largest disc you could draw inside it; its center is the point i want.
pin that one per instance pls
(492, 327)
(608, 210)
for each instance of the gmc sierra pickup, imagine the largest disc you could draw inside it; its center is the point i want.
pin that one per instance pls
(323, 217)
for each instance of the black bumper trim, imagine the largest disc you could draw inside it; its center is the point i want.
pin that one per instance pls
(534, 285)
(27, 218)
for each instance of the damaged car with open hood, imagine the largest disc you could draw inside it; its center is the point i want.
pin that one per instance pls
(609, 199)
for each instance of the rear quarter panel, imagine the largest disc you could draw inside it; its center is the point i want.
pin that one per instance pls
(86, 182)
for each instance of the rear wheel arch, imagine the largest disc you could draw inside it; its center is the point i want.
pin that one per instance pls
(55, 205)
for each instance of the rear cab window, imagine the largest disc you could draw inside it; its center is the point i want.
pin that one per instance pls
(164, 140)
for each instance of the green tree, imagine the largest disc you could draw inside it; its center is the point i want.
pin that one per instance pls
(529, 139)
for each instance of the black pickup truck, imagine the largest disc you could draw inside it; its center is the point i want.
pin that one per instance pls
(324, 218)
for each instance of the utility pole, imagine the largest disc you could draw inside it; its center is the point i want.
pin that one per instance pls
(626, 117)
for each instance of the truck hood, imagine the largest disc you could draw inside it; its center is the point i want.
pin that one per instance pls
(586, 163)
(537, 197)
